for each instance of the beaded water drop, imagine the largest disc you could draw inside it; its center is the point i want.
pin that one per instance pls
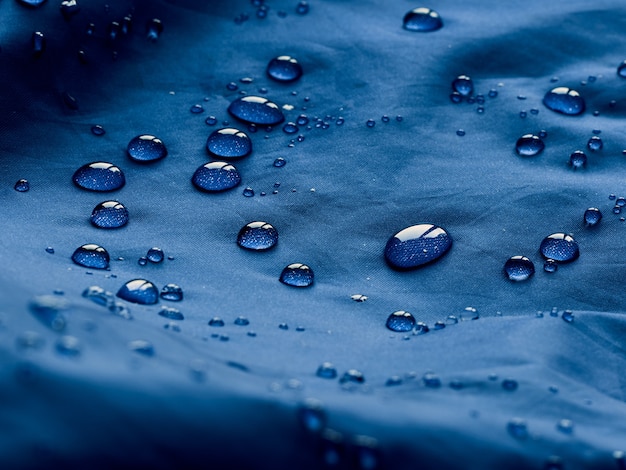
(155, 255)
(297, 275)
(256, 110)
(595, 143)
(577, 159)
(463, 85)
(519, 268)
(109, 214)
(284, 69)
(529, 145)
(229, 143)
(422, 20)
(400, 321)
(417, 245)
(559, 247)
(22, 186)
(146, 148)
(99, 176)
(91, 256)
(139, 291)
(257, 236)
(592, 217)
(565, 101)
(172, 292)
(216, 176)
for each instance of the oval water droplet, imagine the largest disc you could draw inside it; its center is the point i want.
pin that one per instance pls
(280, 162)
(550, 266)
(297, 275)
(216, 321)
(109, 214)
(69, 8)
(431, 380)
(155, 255)
(352, 375)
(241, 321)
(141, 346)
(91, 256)
(216, 176)
(98, 295)
(139, 291)
(565, 101)
(68, 346)
(257, 236)
(592, 217)
(256, 110)
(529, 145)
(302, 8)
(463, 85)
(510, 385)
(22, 186)
(517, 428)
(519, 268)
(400, 321)
(568, 316)
(48, 309)
(326, 370)
(291, 128)
(171, 313)
(595, 143)
(422, 20)
(99, 176)
(98, 130)
(172, 292)
(577, 159)
(560, 247)
(146, 148)
(284, 69)
(417, 245)
(229, 143)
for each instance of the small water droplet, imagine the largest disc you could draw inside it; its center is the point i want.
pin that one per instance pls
(98, 295)
(592, 217)
(340, 121)
(509, 384)
(48, 309)
(620, 201)
(400, 321)
(146, 148)
(241, 321)
(568, 316)
(302, 8)
(171, 313)
(529, 145)
(550, 266)
(38, 43)
(155, 255)
(50, 250)
(142, 347)
(417, 245)
(595, 143)
(517, 428)
(143, 261)
(439, 325)
(211, 120)
(311, 416)
(358, 297)
(421, 328)
(196, 109)
(29, 340)
(297, 275)
(98, 130)
(422, 20)
(577, 159)
(248, 192)
(460, 132)
(109, 214)
(216, 176)
(256, 110)
(69, 8)
(216, 321)
(519, 268)
(68, 346)
(565, 101)
(284, 69)
(565, 426)
(229, 143)
(290, 128)
(91, 256)
(370, 123)
(22, 186)
(99, 176)
(280, 162)
(326, 370)
(352, 376)
(283, 326)
(431, 380)
(139, 291)
(257, 236)
(154, 28)
(560, 247)
(523, 114)
(172, 292)
(393, 381)
(463, 85)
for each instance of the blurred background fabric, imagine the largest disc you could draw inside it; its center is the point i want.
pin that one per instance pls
(512, 375)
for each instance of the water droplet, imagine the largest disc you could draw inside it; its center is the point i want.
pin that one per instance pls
(302, 8)
(216, 321)
(216, 176)
(359, 297)
(256, 110)
(311, 416)
(340, 121)
(370, 123)
(248, 192)
(22, 186)
(38, 43)
(257, 236)
(154, 28)
(171, 313)
(196, 109)
(565, 101)
(565, 426)
(352, 376)
(146, 148)
(620, 201)
(519, 268)
(550, 266)
(592, 217)
(109, 214)
(463, 85)
(48, 309)
(297, 275)
(31, 3)
(69, 8)
(229, 143)
(68, 346)
(139, 291)
(91, 256)
(143, 261)
(509, 384)
(290, 128)
(141, 346)
(280, 162)
(595, 143)
(400, 321)
(416, 246)
(284, 69)
(385, 118)
(241, 321)
(529, 145)
(98, 295)
(568, 316)
(393, 381)
(578, 159)
(172, 292)
(283, 326)
(99, 176)
(421, 328)
(559, 247)
(366, 453)
(517, 428)
(155, 255)
(50, 250)
(431, 380)
(98, 130)
(326, 370)
(460, 132)
(439, 325)
(211, 120)
(422, 20)
(621, 70)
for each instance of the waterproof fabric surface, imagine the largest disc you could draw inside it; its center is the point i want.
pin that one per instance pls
(511, 389)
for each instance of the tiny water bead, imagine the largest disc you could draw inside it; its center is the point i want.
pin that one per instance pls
(98, 130)
(248, 192)
(577, 159)
(519, 268)
(290, 128)
(91, 256)
(280, 162)
(172, 292)
(460, 132)
(142, 261)
(216, 176)
(196, 109)
(284, 68)
(431, 380)
(69, 8)
(155, 255)
(529, 145)
(326, 370)
(22, 186)
(550, 266)
(559, 247)
(98, 295)
(595, 143)
(109, 214)
(311, 416)
(422, 20)
(139, 291)
(49, 310)
(400, 321)
(256, 110)
(592, 217)
(302, 8)
(417, 245)
(99, 176)
(509, 385)
(463, 85)
(257, 236)
(229, 143)
(171, 313)
(297, 275)
(146, 148)
(216, 321)
(211, 120)
(370, 123)
(565, 101)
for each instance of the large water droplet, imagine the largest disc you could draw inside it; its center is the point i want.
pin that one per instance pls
(21, 186)
(99, 176)
(417, 245)
(229, 143)
(400, 321)
(146, 148)
(463, 85)
(284, 69)
(172, 292)
(565, 101)
(256, 110)
(216, 176)
(91, 256)
(519, 268)
(592, 217)
(257, 236)
(559, 247)
(423, 20)
(529, 145)
(109, 214)
(297, 275)
(139, 291)
(31, 3)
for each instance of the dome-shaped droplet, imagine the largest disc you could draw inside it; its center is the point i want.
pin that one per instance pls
(154, 28)
(172, 292)
(256, 110)
(577, 159)
(141, 346)
(559, 247)
(417, 245)
(592, 217)
(69, 8)
(31, 3)
(99, 176)
(68, 346)
(529, 145)
(139, 291)
(297, 275)
(595, 143)
(216, 176)
(565, 101)
(21, 186)
(91, 256)
(216, 321)
(284, 69)
(463, 85)
(519, 268)
(400, 321)
(280, 162)
(621, 70)
(171, 313)
(257, 236)
(155, 255)
(352, 375)
(550, 266)
(98, 130)
(326, 370)
(38, 43)
(146, 148)
(290, 128)
(302, 8)
(229, 143)
(241, 321)
(109, 214)
(423, 20)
